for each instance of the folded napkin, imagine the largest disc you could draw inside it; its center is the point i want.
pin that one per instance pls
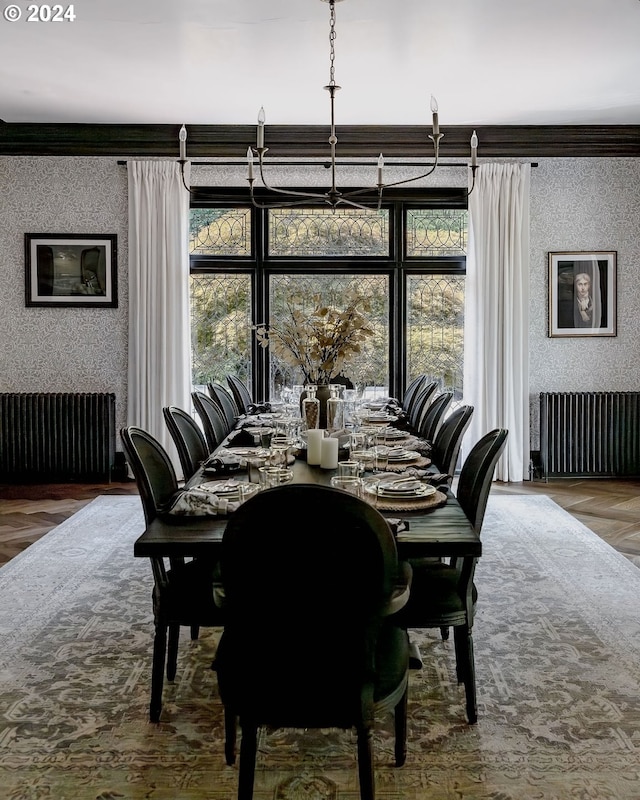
(199, 502)
(222, 463)
(398, 525)
(259, 408)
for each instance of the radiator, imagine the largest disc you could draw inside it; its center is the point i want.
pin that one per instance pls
(590, 433)
(56, 437)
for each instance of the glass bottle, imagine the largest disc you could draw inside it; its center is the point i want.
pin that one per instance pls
(335, 409)
(311, 407)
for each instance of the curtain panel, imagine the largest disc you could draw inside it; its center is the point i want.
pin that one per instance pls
(159, 372)
(496, 351)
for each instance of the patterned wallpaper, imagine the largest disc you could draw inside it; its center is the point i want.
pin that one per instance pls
(61, 349)
(576, 204)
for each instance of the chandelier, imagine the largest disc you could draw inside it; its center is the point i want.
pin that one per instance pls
(365, 198)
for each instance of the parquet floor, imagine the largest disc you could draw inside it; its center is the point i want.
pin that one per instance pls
(610, 508)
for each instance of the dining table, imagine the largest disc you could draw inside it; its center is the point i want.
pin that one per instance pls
(440, 531)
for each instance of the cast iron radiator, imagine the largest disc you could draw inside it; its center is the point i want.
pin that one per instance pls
(590, 433)
(56, 437)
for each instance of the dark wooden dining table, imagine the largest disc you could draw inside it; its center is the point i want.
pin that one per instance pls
(440, 532)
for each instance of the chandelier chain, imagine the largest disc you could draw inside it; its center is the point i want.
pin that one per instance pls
(332, 47)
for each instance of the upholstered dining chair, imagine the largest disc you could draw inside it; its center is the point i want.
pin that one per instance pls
(410, 392)
(332, 655)
(183, 593)
(443, 594)
(213, 421)
(188, 438)
(448, 440)
(223, 398)
(421, 401)
(433, 416)
(241, 393)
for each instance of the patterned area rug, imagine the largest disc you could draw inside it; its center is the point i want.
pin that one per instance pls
(558, 661)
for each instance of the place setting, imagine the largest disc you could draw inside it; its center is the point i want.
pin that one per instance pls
(389, 493)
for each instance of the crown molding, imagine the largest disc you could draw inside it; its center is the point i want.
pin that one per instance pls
(297, 141)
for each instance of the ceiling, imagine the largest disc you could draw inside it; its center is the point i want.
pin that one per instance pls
(215, 62)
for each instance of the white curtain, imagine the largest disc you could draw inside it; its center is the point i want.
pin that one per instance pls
(496, 351)
(159, 337)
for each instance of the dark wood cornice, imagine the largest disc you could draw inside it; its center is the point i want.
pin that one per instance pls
(293, 141)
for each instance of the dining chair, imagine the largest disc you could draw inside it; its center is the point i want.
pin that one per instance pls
(443, 594)
(421, 401)
(448, 440)
(241, 394)
(183, 593)
(332, 654)
(433, 416)
(188, 438)
(410, 392)
(213, 421)
(223, 397)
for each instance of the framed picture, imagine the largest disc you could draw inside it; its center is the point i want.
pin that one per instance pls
(71, 269)
(582, 294)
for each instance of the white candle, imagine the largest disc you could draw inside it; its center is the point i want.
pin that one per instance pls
(250, 163)
(315, 437)
(329, 453)
(183, 143)
(434, 112)
(260, 132)
(380, 166)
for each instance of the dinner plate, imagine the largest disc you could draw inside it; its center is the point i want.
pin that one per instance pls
(228, 489)
(392, 433)
(403, 455)
(390, 489)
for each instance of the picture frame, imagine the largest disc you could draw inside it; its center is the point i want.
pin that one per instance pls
(582, 293)
(71, 270)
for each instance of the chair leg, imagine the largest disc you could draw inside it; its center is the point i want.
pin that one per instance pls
(195, 632)
(248, 750)
(365, 765)
(172, 653)
(444, 633)
(230, 728)
(157, 671)
(400, 725)
(465, 665)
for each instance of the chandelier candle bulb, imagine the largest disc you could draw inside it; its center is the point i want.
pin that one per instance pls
(434, 111)
(474, 150)
(249, 164)
(380, 166)
(183, 143)
(329, 453)
(315, 438)
(261, 119)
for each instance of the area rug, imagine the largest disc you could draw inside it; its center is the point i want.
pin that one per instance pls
(557, 642)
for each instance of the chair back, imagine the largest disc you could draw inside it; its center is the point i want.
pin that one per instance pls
(421, 401)
(213, 421)
(433, 416)
(410, 392)
(189, 440)
(448, 440)
(152, 469)
(310, 584)
(224, 399)
(476, 475)
(240, 392)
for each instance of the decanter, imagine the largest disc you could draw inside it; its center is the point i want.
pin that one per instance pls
(311, 407)
(335, 409)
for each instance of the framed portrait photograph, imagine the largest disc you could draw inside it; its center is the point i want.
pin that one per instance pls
(71, 269)
(582, 294)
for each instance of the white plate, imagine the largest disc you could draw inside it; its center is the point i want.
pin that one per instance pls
(404, 455)
(228, 488)
(420, 491)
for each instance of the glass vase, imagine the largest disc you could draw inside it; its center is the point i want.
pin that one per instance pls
(311, 408)
(335, 409)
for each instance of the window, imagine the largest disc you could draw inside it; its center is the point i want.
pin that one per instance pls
(408, 258)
